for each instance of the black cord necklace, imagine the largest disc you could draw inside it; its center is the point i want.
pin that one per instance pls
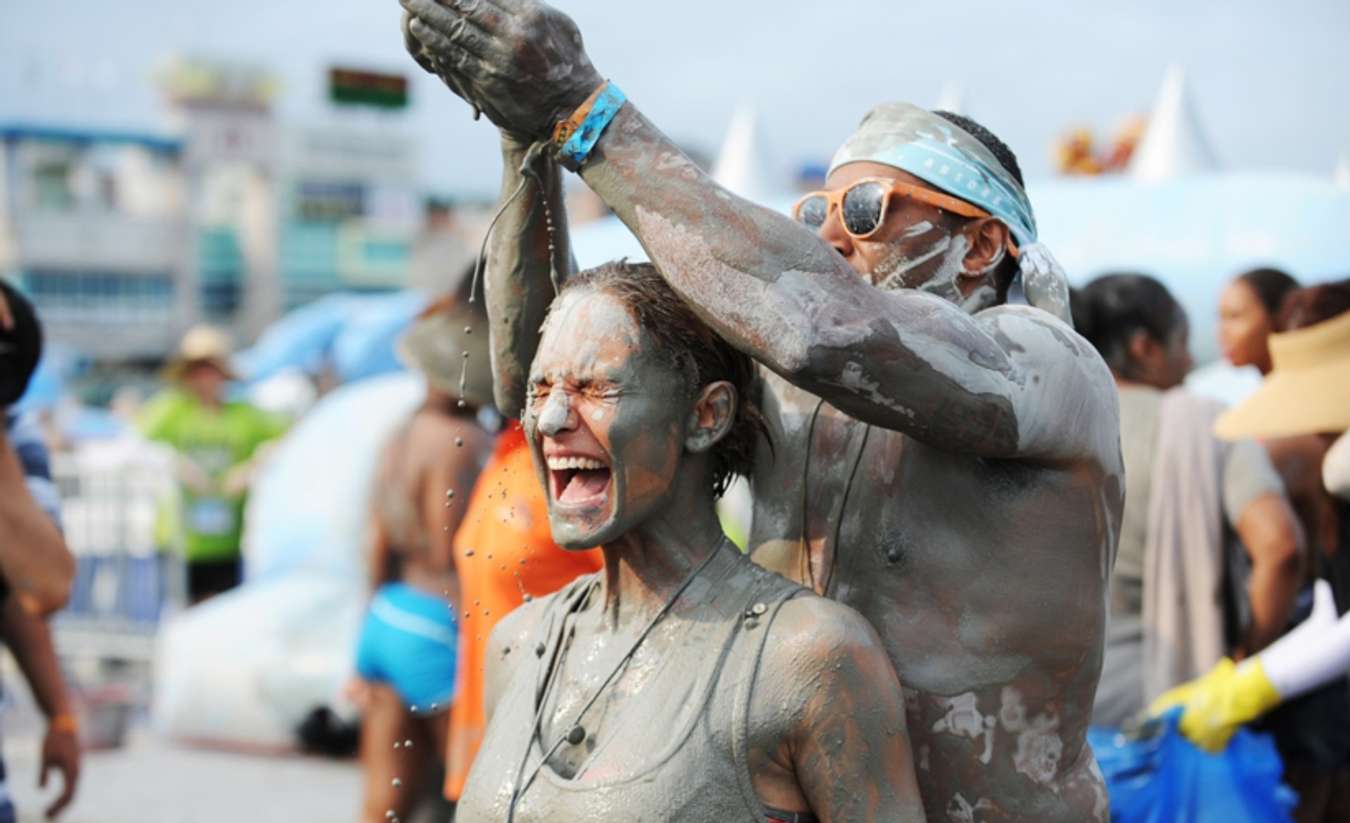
(806, 571)
(576, 733)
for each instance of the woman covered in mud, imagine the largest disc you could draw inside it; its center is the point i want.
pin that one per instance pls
(681, 682)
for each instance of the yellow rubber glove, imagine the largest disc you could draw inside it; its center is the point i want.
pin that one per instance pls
(1219, 701)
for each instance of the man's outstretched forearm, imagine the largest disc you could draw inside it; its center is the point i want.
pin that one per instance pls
(518, 271)
(897, 359)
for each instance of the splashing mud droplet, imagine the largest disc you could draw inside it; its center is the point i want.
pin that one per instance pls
(463, 375)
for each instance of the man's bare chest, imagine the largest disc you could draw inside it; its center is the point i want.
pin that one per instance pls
(834, 482)
(889, 525)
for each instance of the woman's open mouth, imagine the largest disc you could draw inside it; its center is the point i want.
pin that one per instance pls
(578, 481)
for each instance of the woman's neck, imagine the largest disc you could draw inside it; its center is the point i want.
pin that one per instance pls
(646, 566)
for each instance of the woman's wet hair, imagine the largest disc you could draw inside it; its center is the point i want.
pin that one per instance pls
(1271, 287)
(1111, 309)
(1315, 304)
(692, 349)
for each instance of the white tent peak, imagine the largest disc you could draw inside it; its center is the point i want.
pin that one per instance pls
(951, 98)
(1174, 144)
(1341, 176)
(742, 165)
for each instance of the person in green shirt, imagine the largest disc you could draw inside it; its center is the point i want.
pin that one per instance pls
(217, 444)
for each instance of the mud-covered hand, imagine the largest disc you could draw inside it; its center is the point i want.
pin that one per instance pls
(519, 61)
(60, 751)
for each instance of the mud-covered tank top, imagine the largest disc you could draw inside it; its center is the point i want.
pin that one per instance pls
(680, 754)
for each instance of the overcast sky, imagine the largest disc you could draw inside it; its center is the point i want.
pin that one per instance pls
(1269, 78)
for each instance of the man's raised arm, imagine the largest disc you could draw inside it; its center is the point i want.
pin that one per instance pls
(896, 359)
(899, 359)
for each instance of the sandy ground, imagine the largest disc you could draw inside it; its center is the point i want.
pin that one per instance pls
(154, 781)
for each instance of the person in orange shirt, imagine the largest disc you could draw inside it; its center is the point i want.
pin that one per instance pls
(505, 556)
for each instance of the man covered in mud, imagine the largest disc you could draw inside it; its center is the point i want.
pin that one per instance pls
(946, 464)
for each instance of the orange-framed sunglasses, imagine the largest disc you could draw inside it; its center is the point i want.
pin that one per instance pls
(864, 204)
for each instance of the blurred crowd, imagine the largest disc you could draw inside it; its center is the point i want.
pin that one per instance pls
(1231, 516)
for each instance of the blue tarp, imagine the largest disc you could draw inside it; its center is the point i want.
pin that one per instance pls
(354, 333)
(300, 340)
(1163, 778)
(365, 346)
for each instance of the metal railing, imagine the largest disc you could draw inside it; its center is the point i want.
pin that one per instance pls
(112, 504)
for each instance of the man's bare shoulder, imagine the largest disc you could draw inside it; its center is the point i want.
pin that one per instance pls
(1066, 399)
(1033, 337)
(812, 634)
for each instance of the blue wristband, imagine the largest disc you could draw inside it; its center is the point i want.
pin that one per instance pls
(578, 146)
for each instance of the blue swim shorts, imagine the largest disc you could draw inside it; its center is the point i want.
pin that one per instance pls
(409, 641)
